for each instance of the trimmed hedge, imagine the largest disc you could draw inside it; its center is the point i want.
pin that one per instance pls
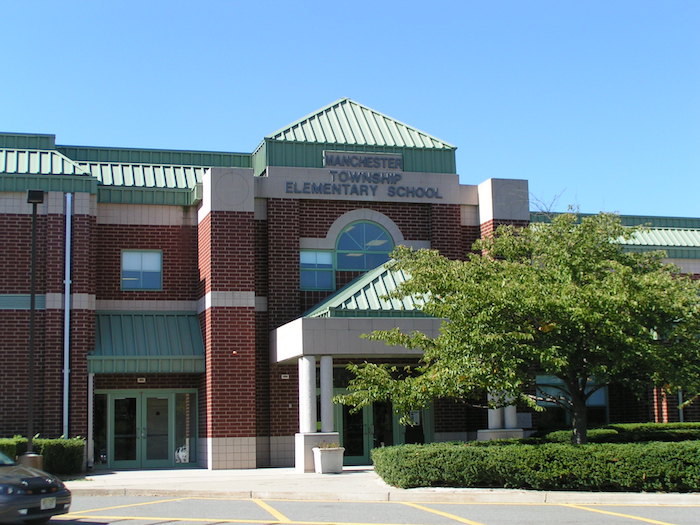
(632, 433)
(61, 456)
(549, 466)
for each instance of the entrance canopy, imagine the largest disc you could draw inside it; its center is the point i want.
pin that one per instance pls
(334, 327)
(147, 342)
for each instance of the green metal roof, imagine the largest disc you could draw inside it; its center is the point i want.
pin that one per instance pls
(147, 342)
(666, 237)
(348, 122)
(146, 175)
(37, 162)
(94, 154)
(679, 237)
(366, 297)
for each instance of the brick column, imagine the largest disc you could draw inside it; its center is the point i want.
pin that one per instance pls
(226, 237)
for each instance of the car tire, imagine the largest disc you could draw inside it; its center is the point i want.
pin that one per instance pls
(38, 521)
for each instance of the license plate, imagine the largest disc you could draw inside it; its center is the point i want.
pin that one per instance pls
(48, 503)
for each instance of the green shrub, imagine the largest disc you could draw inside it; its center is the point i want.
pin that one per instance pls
(548, 466)
(632, 433)
(595, 435)
(61, 456)
(8, 446)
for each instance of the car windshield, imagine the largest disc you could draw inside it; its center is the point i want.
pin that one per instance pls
(4, 460)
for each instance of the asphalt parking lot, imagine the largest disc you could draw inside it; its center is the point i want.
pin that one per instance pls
(141, 510)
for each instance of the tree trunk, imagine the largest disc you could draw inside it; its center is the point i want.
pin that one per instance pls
(579, 421)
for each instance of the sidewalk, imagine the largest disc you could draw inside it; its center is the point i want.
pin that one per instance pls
(355, 483)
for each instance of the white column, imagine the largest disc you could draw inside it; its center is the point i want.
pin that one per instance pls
(495, 416)
(307, 394)
(326, 393)
(510, 416)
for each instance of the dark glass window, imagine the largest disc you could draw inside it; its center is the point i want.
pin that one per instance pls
(363, 246)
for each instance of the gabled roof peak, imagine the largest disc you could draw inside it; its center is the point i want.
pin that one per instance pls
(348, 122)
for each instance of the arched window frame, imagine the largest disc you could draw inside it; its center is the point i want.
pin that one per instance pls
(371, 257)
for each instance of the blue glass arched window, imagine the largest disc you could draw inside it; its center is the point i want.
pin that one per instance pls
(362, 246)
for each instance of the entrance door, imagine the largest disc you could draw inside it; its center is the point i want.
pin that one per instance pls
(145, 429)
(141, 430)
(377, 426)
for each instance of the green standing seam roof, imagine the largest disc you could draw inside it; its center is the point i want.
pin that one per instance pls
(147, 342)
(365, 296)
(348, 122)
(38, 162)
(146, 175)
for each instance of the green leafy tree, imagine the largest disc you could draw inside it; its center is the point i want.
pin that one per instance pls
(562, 299)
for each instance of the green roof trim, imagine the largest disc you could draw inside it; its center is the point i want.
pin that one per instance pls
(219, 159)
(160, 196)
(62, 183)
(147, 342)
(310, 155)
(365, 296)
(27, 141)
(632, 220)
(348, 122)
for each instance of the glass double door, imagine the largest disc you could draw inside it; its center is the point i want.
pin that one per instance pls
(150, 429)
(377, 426)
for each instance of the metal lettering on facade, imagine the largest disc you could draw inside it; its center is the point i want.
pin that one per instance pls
(382, 181)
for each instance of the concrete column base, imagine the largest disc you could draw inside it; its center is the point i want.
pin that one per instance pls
(499, 433)
(304, 442)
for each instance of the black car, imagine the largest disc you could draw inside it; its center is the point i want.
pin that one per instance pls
(29, 495)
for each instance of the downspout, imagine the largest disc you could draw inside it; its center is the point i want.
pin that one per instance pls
(90, 418)
(66, 313)
(681, 415)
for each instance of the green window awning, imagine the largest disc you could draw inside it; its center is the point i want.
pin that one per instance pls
(147, 342)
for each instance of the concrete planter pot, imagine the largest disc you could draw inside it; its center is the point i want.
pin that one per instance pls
(328, 460)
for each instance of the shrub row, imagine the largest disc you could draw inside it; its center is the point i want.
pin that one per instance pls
(61, 456)
(549, 466)
(633, 432)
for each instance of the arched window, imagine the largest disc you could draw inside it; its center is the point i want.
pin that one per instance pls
(362, 246)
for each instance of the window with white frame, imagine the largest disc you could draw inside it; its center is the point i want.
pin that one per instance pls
(142, 270)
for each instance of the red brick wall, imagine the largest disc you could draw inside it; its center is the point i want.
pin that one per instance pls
(284, 400)
(226, 261)
(48, 359)
(179, 247)
(15, 239)
(446, 231)
(230, 390)
(283, 231)
(317, 216)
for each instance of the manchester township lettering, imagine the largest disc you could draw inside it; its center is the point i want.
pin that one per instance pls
(363, 161)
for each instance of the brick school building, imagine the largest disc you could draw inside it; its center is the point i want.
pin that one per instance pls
(199, 308)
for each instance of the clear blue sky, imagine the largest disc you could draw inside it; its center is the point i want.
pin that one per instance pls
(596, 103)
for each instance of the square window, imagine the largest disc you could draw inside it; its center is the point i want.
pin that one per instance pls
(317, 271)
(142, 270)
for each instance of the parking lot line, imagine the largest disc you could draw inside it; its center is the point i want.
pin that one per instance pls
(100, 509)
(441, 513)
(619, 514)
(277, 514)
